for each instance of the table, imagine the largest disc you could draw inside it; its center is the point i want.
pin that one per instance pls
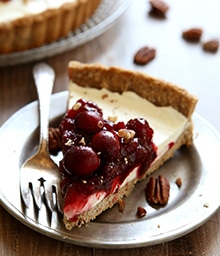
(182, 63)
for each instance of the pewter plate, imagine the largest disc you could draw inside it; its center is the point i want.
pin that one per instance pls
(106, 15)
(188, 208)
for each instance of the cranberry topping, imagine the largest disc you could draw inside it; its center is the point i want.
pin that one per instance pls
(107, 144)
(171, 144)
(81, 160)
(96, 158)
(89, 122)
(83, 105)
(142, 130)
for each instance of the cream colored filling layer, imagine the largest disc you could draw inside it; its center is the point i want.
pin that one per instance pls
(91, 202)
(15, 9)
(166, 122)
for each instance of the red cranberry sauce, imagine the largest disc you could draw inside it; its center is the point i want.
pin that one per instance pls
(96, 157)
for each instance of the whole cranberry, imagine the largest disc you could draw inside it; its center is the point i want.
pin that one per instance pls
(119, 125)
(89, 122)
(70, 138)
(67, 124)
(81, 160)
(83, 105)
(142, 129)
(107, 144)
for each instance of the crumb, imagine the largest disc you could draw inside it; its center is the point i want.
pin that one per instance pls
(104, 96)
(141, 212)
(121, 205)
(206, 205)
(113, 119)
(178, 182)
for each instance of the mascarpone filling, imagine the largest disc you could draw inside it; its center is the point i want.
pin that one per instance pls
(166, 122)
(16, 9)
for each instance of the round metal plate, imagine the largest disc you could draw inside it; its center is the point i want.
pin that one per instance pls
(188, 208)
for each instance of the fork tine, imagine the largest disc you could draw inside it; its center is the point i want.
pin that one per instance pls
(25, 194)
(53, 198)
(37, 193)
(59, 199)
(39, 174)
(50, 198)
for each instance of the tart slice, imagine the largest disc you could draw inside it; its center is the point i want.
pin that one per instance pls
(120, 127)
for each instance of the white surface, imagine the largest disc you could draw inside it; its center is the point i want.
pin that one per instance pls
(177, 61)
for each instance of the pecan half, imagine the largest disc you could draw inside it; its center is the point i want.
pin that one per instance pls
(144, 55)
(158, 190)
(192, 35)
(159, 7)
(211, 46)
(54, 140)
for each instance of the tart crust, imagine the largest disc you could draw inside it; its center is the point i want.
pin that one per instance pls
(157, 91)
(36, 30)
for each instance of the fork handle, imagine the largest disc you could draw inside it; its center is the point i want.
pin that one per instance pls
(44, 80)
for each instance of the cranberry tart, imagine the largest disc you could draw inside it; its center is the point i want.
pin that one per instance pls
(26, 24)
(120, 126)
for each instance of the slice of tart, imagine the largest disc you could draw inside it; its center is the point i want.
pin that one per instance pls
(120, 127)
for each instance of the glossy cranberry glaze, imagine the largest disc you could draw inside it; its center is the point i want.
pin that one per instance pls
(96, 158)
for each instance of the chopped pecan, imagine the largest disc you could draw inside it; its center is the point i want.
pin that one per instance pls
(144, 55)
(158, 190)
(211, 46)
(126, 134)
(192, 35)
(141, 212)
(159, 7)
(54, 140)
(178, 182)
(121, 205)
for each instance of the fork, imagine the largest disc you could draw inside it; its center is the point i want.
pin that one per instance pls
(39, 175)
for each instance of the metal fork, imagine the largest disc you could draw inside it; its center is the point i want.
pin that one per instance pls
(39, 175)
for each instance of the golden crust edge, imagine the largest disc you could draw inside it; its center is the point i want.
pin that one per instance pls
(157, 91)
